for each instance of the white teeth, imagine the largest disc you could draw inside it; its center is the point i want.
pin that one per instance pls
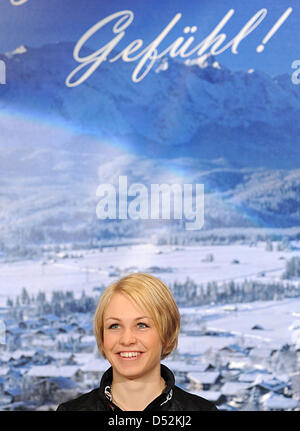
(129, 354)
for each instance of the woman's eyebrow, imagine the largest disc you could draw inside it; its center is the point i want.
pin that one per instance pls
(137, 318)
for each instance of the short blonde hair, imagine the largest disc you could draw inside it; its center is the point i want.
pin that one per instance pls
(149, 293)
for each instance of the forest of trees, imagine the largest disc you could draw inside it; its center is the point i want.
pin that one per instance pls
(187, 293)
(292, 268)
(191, 293)
(61, 303)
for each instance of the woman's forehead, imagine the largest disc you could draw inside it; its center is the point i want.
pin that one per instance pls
(122, 304)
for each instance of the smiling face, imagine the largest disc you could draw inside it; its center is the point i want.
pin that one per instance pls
(128, 328)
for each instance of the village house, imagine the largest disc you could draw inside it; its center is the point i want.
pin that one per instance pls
(250, 375)
(61, 358)
(262, 354)
(181, 369)
(44, 338)
(234, 389)
(60, 389)
(93, 370)
(29, 324)
(237, 364)
(42, 371)
(204, 380)
(13, 331)
(4, 400)
(48, 383)
(268, 383)
(87, 343)
(14, 393)
(49, 319)
(215, 397)
(234, 351)
(272, 401)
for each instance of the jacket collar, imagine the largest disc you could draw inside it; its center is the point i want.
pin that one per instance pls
(161, 400)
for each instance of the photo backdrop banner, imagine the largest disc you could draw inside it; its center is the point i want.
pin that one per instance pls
(159, 137)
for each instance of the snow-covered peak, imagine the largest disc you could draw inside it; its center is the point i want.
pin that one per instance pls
(206, 60)
(162, 65)
(22, 49)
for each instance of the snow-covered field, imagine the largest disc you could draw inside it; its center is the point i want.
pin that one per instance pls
(95, 268)
(276, 319)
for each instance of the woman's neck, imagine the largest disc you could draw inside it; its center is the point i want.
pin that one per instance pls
(136, 394)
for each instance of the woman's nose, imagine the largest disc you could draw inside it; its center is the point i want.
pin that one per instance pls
(127, 336)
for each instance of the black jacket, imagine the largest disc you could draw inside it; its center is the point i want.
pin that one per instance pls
(172, 398)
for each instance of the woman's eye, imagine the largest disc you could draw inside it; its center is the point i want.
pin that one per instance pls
(114, 324)
(143, 324)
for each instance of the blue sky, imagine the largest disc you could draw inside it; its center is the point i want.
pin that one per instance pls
(44, 21)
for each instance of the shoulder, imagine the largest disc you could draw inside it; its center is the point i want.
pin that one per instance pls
(192, 402)
(87, 401)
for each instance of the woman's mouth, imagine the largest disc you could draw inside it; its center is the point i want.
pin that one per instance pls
(129, 356)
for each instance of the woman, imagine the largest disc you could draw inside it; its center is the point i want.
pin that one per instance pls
(136, 325)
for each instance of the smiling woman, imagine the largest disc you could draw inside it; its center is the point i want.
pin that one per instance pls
(136, 324)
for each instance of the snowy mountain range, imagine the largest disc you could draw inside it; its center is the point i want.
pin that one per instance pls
(248, 118)
(235, 132)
